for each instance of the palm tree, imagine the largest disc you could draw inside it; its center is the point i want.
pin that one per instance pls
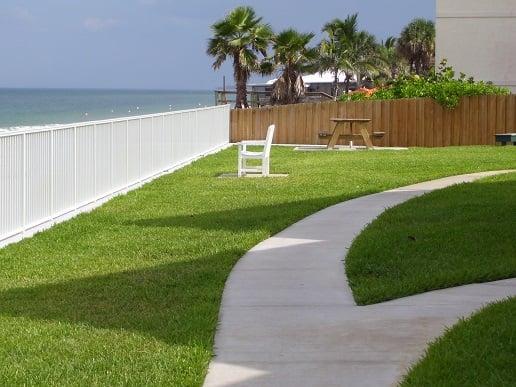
(242, 36)
(348, 50)
(332, 48)
(292, 57)
(362, 57)
(390, 63)
(417, 45)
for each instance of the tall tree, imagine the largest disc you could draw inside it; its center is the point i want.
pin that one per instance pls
(332, 49)
(362, 58)
(390, 63)
(417, 45)
(243, 37)
(347, 49)
(293, 57)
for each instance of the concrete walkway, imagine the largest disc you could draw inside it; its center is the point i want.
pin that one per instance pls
(288, 317)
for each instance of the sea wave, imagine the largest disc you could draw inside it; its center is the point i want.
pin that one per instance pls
(28, 127)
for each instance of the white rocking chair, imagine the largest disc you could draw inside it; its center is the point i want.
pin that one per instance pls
(264, 155)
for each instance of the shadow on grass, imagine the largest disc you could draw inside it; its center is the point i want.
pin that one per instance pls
(153, 301)
(177, 303)
(271, 217)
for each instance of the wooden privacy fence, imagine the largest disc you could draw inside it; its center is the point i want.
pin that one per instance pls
(406, 122)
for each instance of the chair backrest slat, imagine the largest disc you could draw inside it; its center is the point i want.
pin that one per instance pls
(268, 140)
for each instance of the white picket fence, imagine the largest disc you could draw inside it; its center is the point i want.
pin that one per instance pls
(49, 175)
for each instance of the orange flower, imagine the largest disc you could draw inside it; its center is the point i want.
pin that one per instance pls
(367, 92)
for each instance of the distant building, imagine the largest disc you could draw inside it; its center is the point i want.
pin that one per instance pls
(314, 83)
(318, 87)
(478, 37)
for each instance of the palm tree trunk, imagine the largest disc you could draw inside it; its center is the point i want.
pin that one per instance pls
(241, 94)
(241, 85)
(299, 87)
(418, 66)
(348, 79)
(289, 97)
(394, 71)
(336, 82)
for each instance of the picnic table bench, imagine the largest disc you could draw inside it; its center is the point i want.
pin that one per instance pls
(350, 127)
(504, 138)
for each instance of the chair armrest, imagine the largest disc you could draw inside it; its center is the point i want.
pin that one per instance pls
(242, 145)
(252, 142)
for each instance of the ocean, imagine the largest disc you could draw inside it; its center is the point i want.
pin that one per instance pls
(21, 108)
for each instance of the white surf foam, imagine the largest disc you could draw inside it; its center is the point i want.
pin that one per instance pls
(29, 127)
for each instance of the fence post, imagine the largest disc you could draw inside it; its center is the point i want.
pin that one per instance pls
(95, 160)
(24, 183)
(112, 143)
(75, 167)
(51, 172)
(152, 144)
(126, 152)
(196, 131)
(140, 150)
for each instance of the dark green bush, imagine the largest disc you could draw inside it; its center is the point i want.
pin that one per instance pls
(442, 86)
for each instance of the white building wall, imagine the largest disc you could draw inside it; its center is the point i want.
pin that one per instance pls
(478, 37)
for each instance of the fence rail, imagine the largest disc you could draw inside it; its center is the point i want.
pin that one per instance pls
(50, 174)
(406, 122)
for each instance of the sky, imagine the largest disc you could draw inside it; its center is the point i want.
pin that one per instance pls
(155, 44)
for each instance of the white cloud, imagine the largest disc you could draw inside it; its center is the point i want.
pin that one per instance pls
(96, 24)
(22, 14)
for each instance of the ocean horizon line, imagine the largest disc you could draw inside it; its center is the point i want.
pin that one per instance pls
(103, 89)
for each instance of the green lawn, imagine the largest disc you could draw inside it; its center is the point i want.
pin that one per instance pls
(129, 294)
(459, 235)
(479, 351)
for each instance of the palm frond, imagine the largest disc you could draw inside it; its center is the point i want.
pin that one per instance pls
(242, 36)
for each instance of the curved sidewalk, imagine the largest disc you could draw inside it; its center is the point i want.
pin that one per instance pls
(288, 317)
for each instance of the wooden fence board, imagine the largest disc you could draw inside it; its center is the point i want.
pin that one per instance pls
(408, 122)
(492, 112)
(394, 122)
(511, 115)
(500, 114)
(457, 124)
(376, 113)
(474, 120)
(429, 123)
(314, 129)
(275, 116)
(447, 126)
(465, 129)
(411, 124)
(386, 120)
(419, 123)
(482, 119)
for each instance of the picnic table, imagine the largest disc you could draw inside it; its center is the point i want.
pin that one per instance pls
(346, 127)
(504, 138)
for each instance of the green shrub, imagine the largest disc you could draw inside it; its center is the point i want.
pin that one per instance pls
(356, 96)
(442, 86)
